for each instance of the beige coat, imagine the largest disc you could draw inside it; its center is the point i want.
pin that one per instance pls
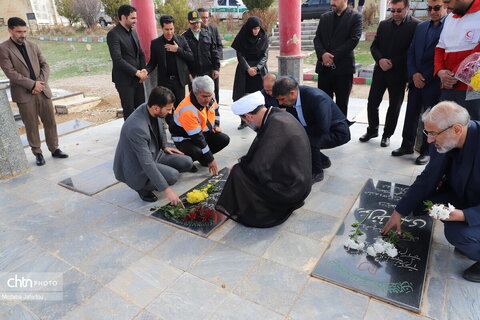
(16, 69)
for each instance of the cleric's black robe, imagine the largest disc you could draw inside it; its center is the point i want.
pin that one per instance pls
(273, 178)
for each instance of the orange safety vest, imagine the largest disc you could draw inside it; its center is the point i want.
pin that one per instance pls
(191, 119)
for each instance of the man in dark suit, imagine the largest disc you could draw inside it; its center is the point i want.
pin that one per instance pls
(325, 124)
(26, 68)
(423, 86)
(171, 53)
(128, 72)
(337, 35)
(213, 30)
(389, 49)
(142, 159)
(206, 58)
(451, 177)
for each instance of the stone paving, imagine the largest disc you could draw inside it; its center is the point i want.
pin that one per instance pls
(118, 263)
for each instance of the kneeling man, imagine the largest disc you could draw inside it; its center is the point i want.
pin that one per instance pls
(325, 124)
(196, 126)
(452, 176)
(142, 159)
(275, 176)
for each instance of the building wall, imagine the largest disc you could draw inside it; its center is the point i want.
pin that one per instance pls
(45, 10)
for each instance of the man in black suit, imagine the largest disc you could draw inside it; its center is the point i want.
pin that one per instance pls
(128, 72)
(206, 58)
(389, 49)
(213, 30)
(337, 35)
(325, 124)
(171, 53)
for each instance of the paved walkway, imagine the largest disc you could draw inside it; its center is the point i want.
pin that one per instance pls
(118, 263)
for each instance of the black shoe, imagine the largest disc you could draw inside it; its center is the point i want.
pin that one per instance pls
(472, 273)
(422, 159)
(59, 154)
(148, 196)
(458, 251)
(367, 136)
(242, 125)
(385, 142)
(326, 163)
(40, 161)
(317, 177)
(193, 169)
(401, 152)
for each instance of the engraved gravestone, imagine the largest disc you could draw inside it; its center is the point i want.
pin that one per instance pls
(12, 156)
(398, 280)
(202, 228)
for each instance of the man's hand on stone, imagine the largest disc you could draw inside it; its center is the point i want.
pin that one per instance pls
(456, 215)
(385, 64)
(172, 197)
(172, 150)
(447, 78)
(215, 74)
(327, 59)
(212, 167)
(395, 221)
(172, 47)
(418, 80)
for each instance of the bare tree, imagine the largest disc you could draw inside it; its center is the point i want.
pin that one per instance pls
(88, 11)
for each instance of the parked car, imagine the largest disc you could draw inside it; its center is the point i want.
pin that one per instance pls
(313, 9)
(104, 19)
(223, 8)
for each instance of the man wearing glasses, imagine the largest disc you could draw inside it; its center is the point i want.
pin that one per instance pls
(458, 40)
(423, 87)
(452, 176)
(389, 49)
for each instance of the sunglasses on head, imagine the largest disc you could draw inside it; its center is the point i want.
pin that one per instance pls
(436, 8)
(397, 11)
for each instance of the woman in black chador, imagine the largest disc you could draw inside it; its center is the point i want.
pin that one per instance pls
(251, 44)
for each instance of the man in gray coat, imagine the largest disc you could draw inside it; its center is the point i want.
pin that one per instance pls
(142, 159)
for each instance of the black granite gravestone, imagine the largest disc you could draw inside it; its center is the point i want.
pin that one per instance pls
(397, 280)
(202, 228)
(92, 180)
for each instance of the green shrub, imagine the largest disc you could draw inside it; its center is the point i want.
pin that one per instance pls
(257, 4)
(179, 10)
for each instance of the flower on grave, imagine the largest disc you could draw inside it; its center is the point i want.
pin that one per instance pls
(353, 244)
(382, 247)
(475, 81)
(196, 196)
(438, 210)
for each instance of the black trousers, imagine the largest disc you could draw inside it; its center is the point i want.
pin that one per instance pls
(339, 86)
(215, 141)
(418, 101)
(131, 97)
(395, 84)
(176, 87)
(339, 134)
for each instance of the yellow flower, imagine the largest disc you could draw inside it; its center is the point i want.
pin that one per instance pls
(196, 196)
(475, 81)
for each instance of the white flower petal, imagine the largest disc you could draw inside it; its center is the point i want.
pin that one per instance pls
(392, 252)
(371, 251)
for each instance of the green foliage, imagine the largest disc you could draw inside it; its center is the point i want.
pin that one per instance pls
(179, 10)
(177, 212)
(65, 9)
(394, 238)
(257, 4)
(428, 204)
(111, 7)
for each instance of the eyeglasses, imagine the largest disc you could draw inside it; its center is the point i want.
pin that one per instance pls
(433, 134)
(397, 11)
(436, 8)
